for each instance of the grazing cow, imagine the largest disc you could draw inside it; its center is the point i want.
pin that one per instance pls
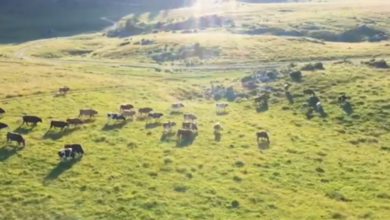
(309, 92)
(129, 112)
(184, 134)
(74, 121)
(190, 116)
(146, 110)
(31, 119)
(217, 127)
(3, 125)
(177, 106)
(262, 135)
(63, 90)
(168, 125)
(71, 151)
(286, 86)
(221, 106)
(342, 98)
(11, 136)
(262, 98)
(189, 125)
(87, 112)
(116, 116)
(125, 107)
(2, 111)
(58, 124)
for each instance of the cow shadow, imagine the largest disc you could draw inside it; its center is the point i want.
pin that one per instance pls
(113, 126)
(222, 113)
(88, 120)
(56, 95)
(55, 135)
(323, 114)
(186, 142)
(175, 113)
(24, 130)
(165, 137)
(289, 97)
(347, 108)
(263, 145)
(60, 168)
(217, 136)
(262, 108)
(152, 125)
(7, 152)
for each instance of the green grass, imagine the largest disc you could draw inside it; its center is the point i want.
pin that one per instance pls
(324, 168)
(333, 168)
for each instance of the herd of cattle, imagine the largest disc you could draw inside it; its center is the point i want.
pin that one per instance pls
(188, 129)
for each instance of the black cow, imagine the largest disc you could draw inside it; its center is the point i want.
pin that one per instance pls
(58, 124)
(11, 136)
(184, 134)
(262, 135)
(116, 116)
(3, 125)
(31, 119)
(342, 98)
(71, 150)
(155, 115)
(2, 111)
(189, 125)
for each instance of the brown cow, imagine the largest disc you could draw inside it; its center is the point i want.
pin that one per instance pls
(145, 110)
(125, 107)
(87, 112)
(129, 112)
(184, 134)
(262, 135)
(74, 121)
(63, 90)
(309, 92)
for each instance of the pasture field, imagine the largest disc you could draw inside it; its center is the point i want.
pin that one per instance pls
(324, 168)
(333, 167)
(275, 41)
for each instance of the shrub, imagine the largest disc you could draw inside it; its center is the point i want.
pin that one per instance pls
(296, 75)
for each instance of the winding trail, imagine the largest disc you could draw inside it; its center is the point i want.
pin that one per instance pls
(21, 54)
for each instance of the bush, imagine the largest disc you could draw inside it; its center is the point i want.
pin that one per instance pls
(296, 75)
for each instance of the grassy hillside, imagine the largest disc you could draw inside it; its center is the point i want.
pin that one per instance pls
(332, 167)
(231, 44)
(324, 168)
